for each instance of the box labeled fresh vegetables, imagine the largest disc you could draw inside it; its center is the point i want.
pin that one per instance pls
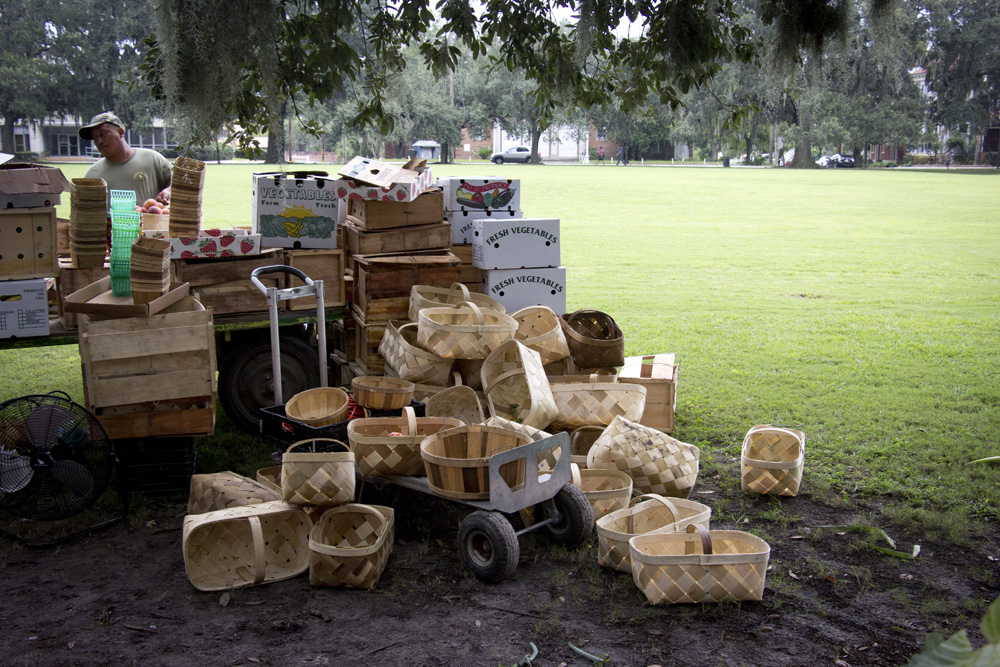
(461, 221)
(515, 244)
(295, 209)
(520, 288)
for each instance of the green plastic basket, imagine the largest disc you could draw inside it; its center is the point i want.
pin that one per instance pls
(122, 201)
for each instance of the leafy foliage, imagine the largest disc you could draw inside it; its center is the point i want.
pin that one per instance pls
(956, 651)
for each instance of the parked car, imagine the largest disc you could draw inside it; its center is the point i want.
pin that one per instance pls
(516, 154)
(823, 161)
(837, 161)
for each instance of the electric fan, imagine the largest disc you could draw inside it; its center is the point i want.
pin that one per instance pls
(55, 458)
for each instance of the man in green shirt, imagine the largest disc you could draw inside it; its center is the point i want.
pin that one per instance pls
(141, 170)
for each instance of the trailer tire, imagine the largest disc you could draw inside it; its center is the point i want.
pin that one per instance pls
(576, 517)
(488, 546)
(246, 383)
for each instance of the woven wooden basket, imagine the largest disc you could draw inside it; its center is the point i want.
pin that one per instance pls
(381, 393)
(318, 407)
(699, 565)
(408, 360)
(516, 387)
(595, 340)
(539, 328)
(245, 546)
(656, 514)
(581, 439)
(460, 402)
(457, 460)
(594, 400)
(656, 462)
(350, 545)
(607, 490)
(271, 478)
(464, 331)
(219, 490)
(317, 478)
(428, 296)
(772, 460)
(391, 445)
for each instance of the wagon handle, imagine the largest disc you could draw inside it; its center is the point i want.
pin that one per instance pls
(276, 268)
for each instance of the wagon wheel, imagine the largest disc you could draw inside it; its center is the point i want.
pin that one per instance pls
(488, 546)
(574, 518)
(246, 382)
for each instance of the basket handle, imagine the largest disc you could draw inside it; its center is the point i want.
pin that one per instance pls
(798, 435)
(457, 377)
(706, 539)
(314, 440)
(674, 516)
(500, 378)
(475, 310)
(258, 549)
(464, 289)
(411, 420)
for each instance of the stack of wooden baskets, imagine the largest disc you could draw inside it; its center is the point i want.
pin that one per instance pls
(186, 185)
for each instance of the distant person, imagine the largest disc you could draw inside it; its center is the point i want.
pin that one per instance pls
(947, 160)
(600, 155)
(144, 171)
(620, 157)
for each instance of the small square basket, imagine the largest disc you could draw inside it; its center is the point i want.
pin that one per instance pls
(772, 460)
(349, 546)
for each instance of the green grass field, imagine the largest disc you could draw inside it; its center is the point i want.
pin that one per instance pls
(860, 306)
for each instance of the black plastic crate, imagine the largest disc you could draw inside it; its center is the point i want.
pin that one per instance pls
(156, 466)
(280, 430)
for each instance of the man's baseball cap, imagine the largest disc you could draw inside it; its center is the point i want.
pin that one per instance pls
(101, 118)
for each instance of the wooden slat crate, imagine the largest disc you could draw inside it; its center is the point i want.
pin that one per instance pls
(658, 374)
(369, 337)
(393, 276)
(223, 284)
(71, 279)
(426, 209)
(325, 265)
(361, 241)
(194, 416)
(164, 357)
(28, 239)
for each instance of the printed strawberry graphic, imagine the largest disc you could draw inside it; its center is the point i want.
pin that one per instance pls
(212, 232)
(341, 192)
(227, 253)
(209, 247)
(372, 194)
(188, 241)
(246, 247)
(400, 194)
(226, 241)
(355, 195)
(386, 198)
(187, 254)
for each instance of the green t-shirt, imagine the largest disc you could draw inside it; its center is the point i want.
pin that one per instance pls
(146, 173)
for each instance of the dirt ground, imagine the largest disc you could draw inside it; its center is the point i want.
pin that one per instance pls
(121, 597)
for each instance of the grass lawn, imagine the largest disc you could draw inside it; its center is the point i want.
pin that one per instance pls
(860, 306)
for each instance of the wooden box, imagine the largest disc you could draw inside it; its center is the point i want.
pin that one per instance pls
(367, 340)
(224, 285)
(658, 374)
(71, 279)
(392, 276)
(325, 265)
(161, 358)
(426, 209)
(28, 245)
(361, 241)
(194, 416)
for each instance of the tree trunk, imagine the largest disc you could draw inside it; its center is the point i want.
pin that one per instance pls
(536, 136)
(803, 154)
(7, 136)
(276, 138)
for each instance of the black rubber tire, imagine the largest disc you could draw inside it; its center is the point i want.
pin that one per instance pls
(488, 546)
(246, 383)
(498, 160)
(576, 517)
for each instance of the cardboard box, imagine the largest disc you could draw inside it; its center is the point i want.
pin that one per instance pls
(481, 193)
(370, 179)
(295, 209)
(28, 243)
(426, 209)
(325, 265)
(520, 288)
(97, 299)
(462, 221)
(359, 241)
(210, 243)
(658, 374)
(29, 186)
(517, 244)
(24, 308)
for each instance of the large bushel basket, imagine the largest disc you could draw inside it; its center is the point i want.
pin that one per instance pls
(317, 477)
(391, 445)
(595, 339)
(539, 328)
(656, 462)
(516, 386)
(699, 565)
(594, 400)
(245, 546)
(457, 461)
(349, 546)
(655, 514)
(772, 460)
(408, 360)
(465, 331)
(429, 296)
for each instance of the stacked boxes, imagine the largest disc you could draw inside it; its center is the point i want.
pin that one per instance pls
(295, 210)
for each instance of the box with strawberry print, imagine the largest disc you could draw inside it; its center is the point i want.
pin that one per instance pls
(211, 243)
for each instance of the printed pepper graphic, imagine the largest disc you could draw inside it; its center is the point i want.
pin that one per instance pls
(292, 228)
